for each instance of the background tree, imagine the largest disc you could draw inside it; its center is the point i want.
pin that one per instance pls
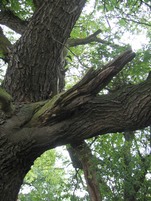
(40, 117)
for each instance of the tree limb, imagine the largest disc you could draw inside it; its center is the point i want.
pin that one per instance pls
(9, 19)
(91, 84)
(5, 101)
(79, 114)
(72, 42)
(128, 19)
(5, 46)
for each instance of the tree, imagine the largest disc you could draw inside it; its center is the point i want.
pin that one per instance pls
(36, 114)
(46, 183)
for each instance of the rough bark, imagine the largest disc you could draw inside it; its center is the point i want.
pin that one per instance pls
(39, 71)
(13, 167)
(89, 116)
(15, 158)
(76, 115)
(35, 72)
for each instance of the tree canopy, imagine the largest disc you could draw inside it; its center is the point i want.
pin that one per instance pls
(78, 75)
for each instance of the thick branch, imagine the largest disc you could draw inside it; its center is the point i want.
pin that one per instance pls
(5, 101)
(12, 21)
(126, 110)
(79, 114)
(91, 84)
(5, 46)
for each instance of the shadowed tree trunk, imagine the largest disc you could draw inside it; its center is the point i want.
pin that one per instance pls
(90, 170)
(36, 73)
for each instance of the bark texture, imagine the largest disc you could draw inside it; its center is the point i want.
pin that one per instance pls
(14, 164)
(71, 117)
(90, 170)
(36, 72)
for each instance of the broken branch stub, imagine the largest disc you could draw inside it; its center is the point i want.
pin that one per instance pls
(90, 85)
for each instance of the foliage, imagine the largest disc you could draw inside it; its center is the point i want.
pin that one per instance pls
(52, 177)
(23, 8)
(47, 181)
(112, 152)
(44, 181)
(120, 22)
(120, 29)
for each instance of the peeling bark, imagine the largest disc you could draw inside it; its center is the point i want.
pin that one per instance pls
(74, 116)
(36, 73)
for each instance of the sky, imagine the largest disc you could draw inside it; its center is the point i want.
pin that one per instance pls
(136, 41)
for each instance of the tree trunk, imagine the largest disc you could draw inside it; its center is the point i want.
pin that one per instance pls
(35, 72)
(14, 164)
(36, 68)
(90, 170)
(72, 117)
(129, 191)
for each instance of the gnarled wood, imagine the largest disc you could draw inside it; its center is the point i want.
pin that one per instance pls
(36, 70)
